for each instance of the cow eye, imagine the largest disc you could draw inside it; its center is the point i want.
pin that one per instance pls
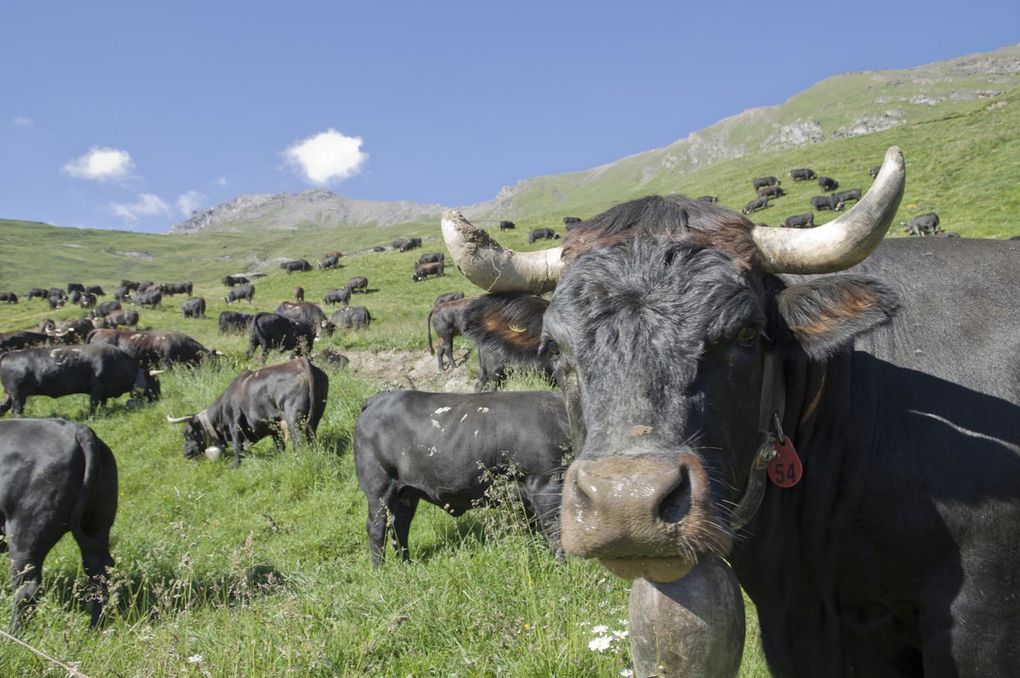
(747, 336)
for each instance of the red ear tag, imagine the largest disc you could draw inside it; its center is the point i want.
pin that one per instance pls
(785, 469)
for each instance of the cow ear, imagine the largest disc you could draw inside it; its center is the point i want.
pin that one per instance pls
(825, 314)
(507, 323)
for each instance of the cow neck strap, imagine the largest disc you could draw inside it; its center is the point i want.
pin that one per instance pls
(203, 419)
(772, 406)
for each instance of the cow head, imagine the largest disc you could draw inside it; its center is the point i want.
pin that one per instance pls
(199, 438)
(147, 385)
(669, 328)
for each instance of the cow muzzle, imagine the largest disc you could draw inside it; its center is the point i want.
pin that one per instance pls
(645, 515)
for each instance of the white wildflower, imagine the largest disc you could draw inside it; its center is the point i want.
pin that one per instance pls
(600, 644)
(620, 635)
(627, 673)
(599, 629)
(196, 659)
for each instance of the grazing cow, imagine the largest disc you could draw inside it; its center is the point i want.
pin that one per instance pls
(274, 332)
(284, 401)
(56, 476)
(828, 183)
(194, 308)
(358, 283)
(13, 341)
(244, 291)
(431, 258)
(130, 285)
(542, 234)
(303, 311)
(762, 182)
(154, 348)
(106, 308)
(447, 296)
(508, 332)
(71, 331)
(122, 318)
(96, 290)
(88, 300)
(330, 261)
(171, 289)
(423, 271)
(55, 302)
(708, 198)
(378, 248)
(755, 205)
(149, 297)
(409, 244)
(335, 296)
(299, 293)
(147, 285)
(299, 265)
(9, 297)
(873, 172)
(75, 287)
(75, 297)
(802, 174)
(57, 292)
(37, 292)
(923, 224)
(446, 448)
(100, 371)
(771, 192)
(846, 196)
(850, 443)
(446, 319)
(231, 321)
(121, 293)
(827, 202)
(507, 225)
(351, 318)
(231, 280)
(571, 222)
(806, 220)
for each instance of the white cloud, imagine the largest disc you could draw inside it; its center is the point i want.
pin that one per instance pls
(220, 181)
(326, 157)
(101, 164)
(190, 201)
(22, 121)
(147, 205)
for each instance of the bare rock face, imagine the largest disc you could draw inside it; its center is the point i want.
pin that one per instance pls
(690, 627)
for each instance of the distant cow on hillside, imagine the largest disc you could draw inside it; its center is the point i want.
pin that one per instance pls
(828, 183)
(762, 182)
(802, 174)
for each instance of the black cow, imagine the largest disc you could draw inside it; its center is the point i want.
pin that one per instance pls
(55, 477)
(378, 248)
(274, 332)
(827, 202)
(542, 234)
(846, 196)
(231, 280)
(75, 287)
(101, 371)
(515, 342)
(828, 183)
(9, 297)
(431, 258)
(407, 244)
(358, 283)
(57, 292)
(130, 285)
(96, 290)
(423, 271)
(88, 300)
(771, 192)
(285, 401)
(121, 293)
(329, 261)
(335, 296)
(299, 293)
(70, 331)
(149, 297)
(171, 289)
(244, 291)
(154, 348)
(806, 220)
(692, 368)
(55, 301)
(708, 198)
(299, 265)
(447, 296)
(447, 320)
(125, 318)
(446, 448)
(106, 308)
(923, 224)
(194, 308)
(755, 205)
(303, 311)
(802, 174)
(762, 182)
(507, 225)
(36, 292)
(74, 297)
(351, 318)
(231, 321)
(13, 341)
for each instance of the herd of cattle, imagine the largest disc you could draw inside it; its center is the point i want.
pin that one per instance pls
(795, 402)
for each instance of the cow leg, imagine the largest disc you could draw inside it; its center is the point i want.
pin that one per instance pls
(27, 549)
(238, 442)
(8, 401)
(95, 558)
(403, 513)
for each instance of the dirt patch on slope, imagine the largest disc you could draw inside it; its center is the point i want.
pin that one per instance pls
(393, 369)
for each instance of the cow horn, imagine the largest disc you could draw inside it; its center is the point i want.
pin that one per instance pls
(179, 420)
(494, 268)
(156, 373)
(843, 242)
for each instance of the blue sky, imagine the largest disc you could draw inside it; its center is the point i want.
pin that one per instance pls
(129, 114)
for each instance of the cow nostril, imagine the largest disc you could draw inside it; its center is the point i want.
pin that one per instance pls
(584, 490)
(677, 504)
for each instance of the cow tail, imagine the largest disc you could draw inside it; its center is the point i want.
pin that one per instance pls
(428, 330)
(87, 441)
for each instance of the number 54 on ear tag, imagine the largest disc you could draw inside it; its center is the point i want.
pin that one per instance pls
(785, 468)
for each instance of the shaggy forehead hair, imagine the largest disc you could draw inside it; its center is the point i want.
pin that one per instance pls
(672, 217)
